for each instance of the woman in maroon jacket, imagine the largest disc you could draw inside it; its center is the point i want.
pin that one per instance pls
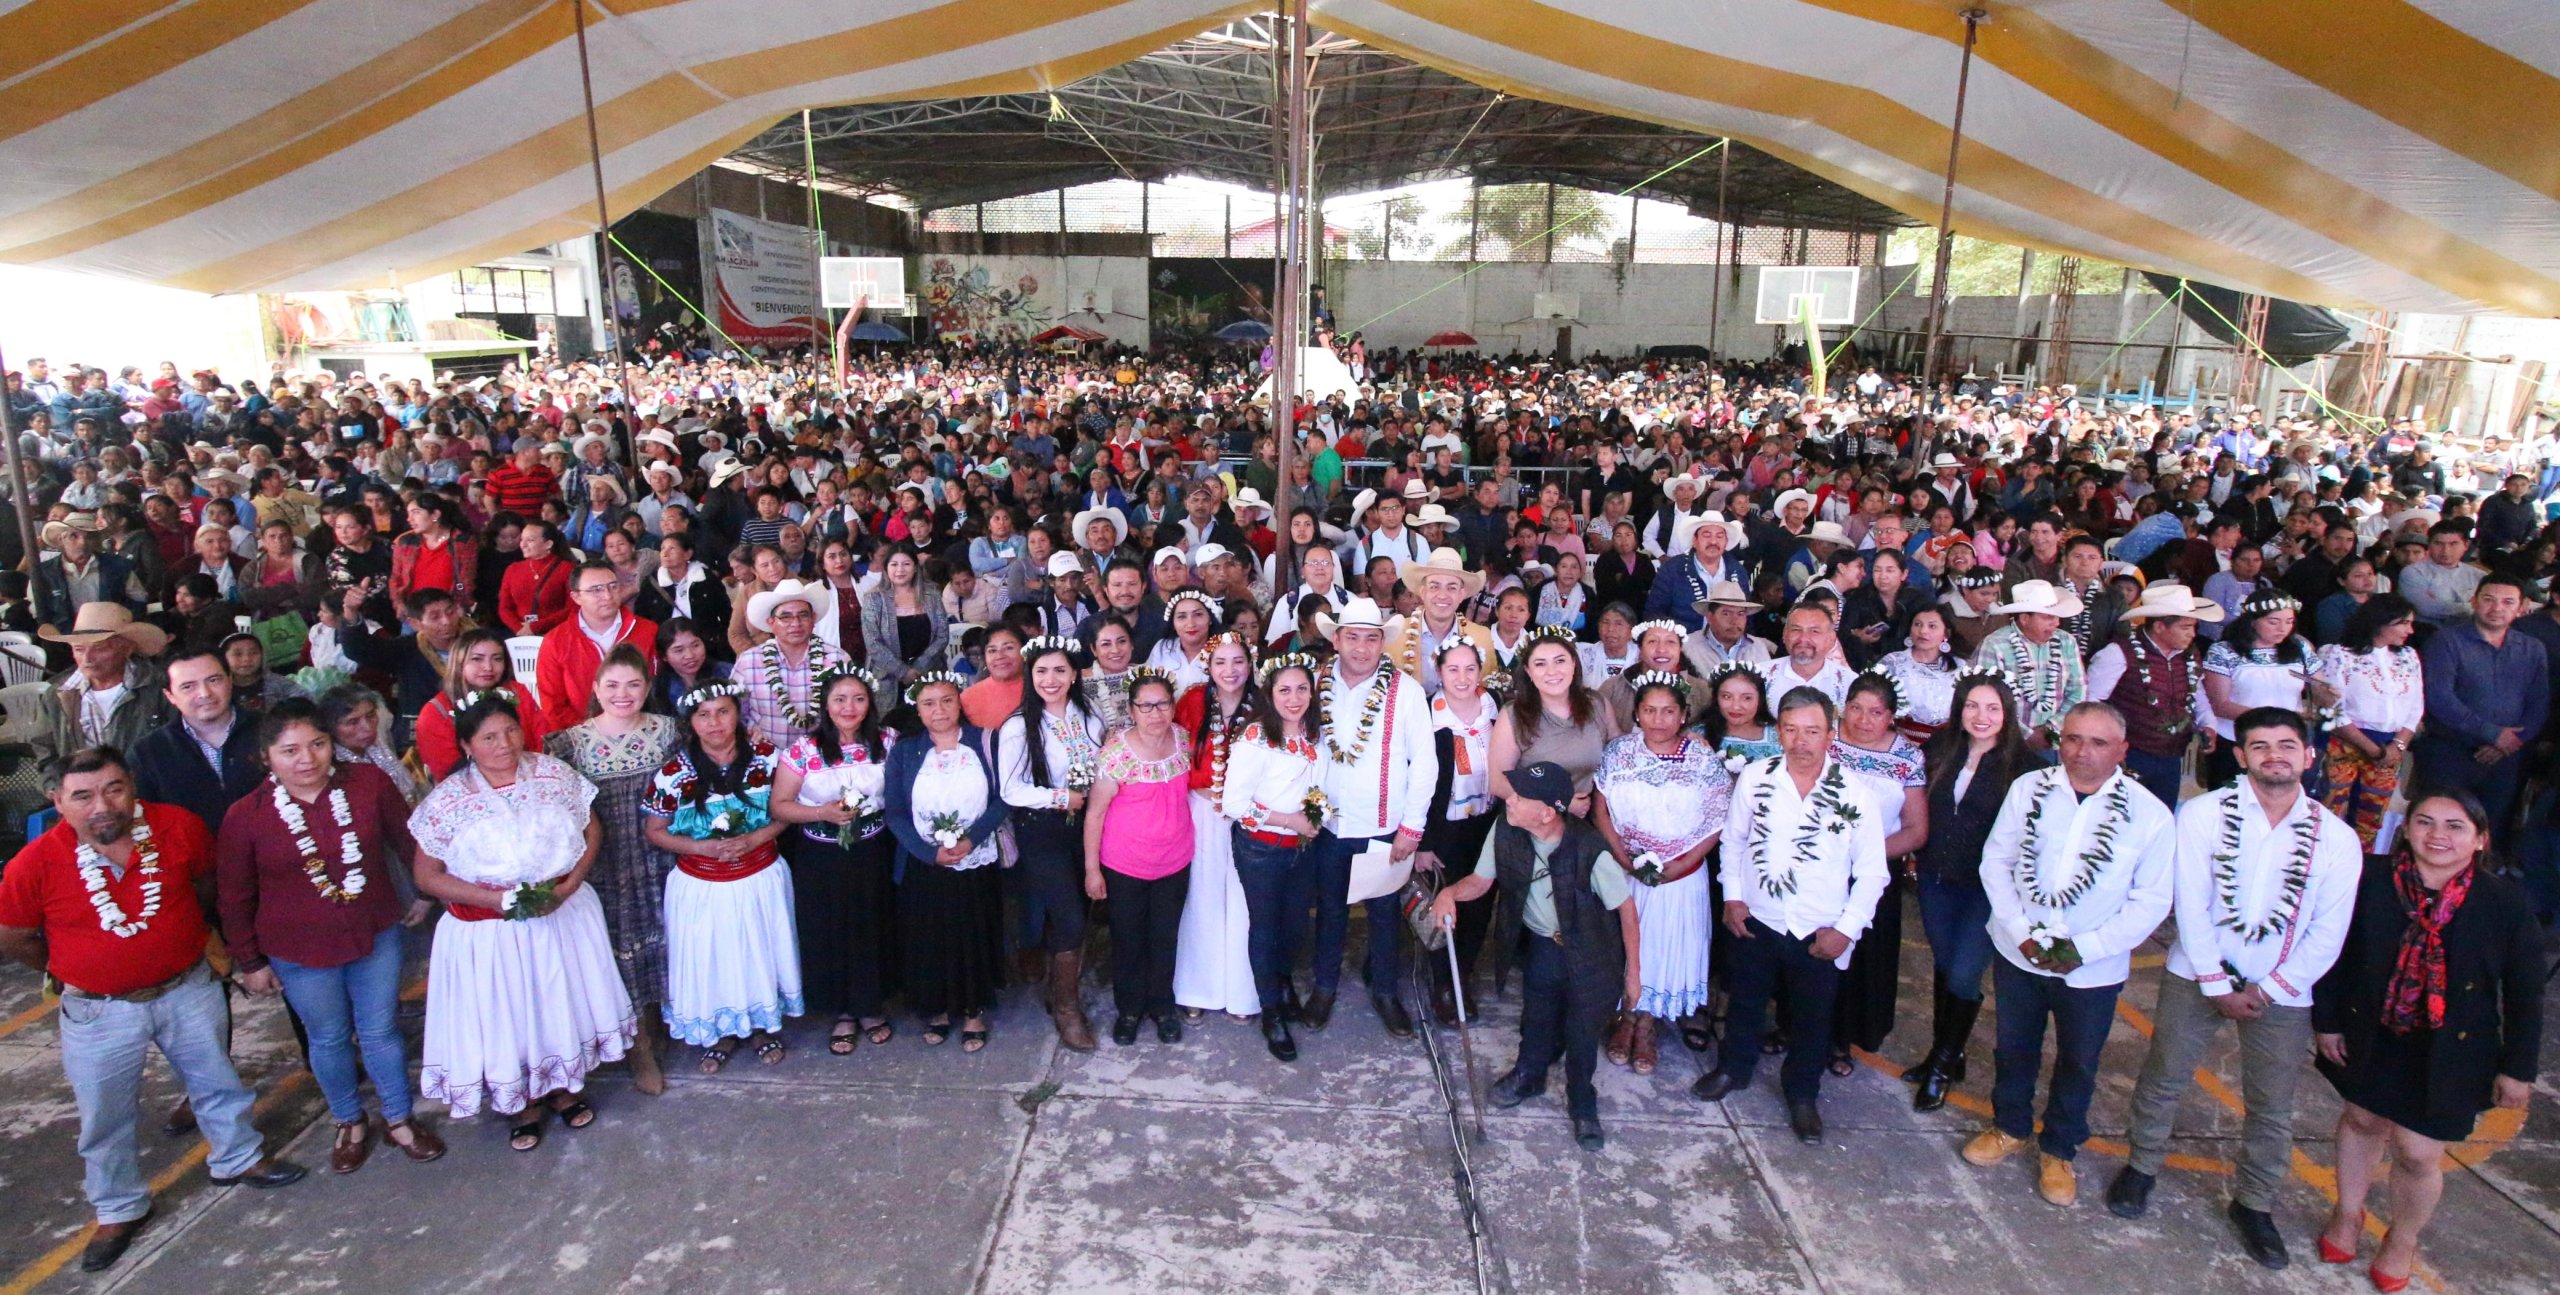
(313, 879)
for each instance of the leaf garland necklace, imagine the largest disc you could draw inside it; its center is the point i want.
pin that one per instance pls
(802, 718)
(2112, 816)
(2142, 653)
(93, 877)
(350, 853)
(1829, 794)
(1370, 708)
(2280, 915)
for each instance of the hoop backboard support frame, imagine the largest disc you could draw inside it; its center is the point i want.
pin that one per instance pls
(1835, 289)
(879, 282)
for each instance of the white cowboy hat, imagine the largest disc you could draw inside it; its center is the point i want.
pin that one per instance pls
(1416, 489)
(79, 521)
(2039, 598)
(1431, 515)
(1119, 524)
(100, 621)
(1945, 461)
(1063, 563)
(1725, 593)
(1779, 508)
(728, 468)
(2169, 598)
(1360, 505)
(1685, 531)
(817, 593)
(579, 447)
(1826, 533)
(1358, 614)
(1441, 562)
(660, 436)
(1246, 498)
(612, 485)
(662, 468)
(1685, 481)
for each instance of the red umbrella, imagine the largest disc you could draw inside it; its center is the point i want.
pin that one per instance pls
(1068, 331)
(1450, 338)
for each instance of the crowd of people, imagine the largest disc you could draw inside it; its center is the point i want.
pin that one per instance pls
(666, 702)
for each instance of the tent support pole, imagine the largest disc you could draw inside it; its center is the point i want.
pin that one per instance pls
(604, 244)
(1715, 282)
(22, 502)
(1297, 126)
(1939, 290)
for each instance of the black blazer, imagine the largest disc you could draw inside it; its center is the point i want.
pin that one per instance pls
(2493, 988)
(710, 611)
(1957, 829)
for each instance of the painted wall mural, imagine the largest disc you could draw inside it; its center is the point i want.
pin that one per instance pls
(1016, 298)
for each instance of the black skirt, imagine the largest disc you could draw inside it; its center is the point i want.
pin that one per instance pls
(2393, 1083)
(1863, 1014)
(846, 911)
(951, 931)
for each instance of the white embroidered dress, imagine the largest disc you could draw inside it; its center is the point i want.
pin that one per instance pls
(517, 1009)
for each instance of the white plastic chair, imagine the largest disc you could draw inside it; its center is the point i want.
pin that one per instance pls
(26, 712)
(21, 661)
(524, 651)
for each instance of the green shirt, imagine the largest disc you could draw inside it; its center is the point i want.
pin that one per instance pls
(1538, 907)
(1325, 471)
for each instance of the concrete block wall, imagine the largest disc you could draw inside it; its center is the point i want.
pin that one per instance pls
(1623, 309)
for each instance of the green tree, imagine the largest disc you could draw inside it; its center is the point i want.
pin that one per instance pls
(1395, 229)
(1512, 221)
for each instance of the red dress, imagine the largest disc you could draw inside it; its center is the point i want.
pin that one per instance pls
(441, 753)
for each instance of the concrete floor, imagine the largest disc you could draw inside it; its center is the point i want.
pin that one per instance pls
(1209, 1167)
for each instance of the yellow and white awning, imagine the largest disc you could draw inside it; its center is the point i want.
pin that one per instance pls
(2396, 153)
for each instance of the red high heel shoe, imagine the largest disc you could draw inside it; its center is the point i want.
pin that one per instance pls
(2330, 1254)
(2385, 1282)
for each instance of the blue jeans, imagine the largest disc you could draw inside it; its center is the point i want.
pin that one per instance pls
(1957, 916)
(352, 1008)
(104, 1048)
(2081, 1019)
(1279, 884)
(2159, 774)
(1332, 857)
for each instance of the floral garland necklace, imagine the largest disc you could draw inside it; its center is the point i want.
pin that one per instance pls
(350, 852)
(802, 718)
(2280, 915)
(2142, 652)
(1371, 706)
(93, 877)
(1220, 732)
(2112, 815)
(1830, 794)
(2047, 680)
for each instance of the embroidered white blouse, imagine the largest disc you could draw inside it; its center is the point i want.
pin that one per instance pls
(1263, 779)
(1075, 740)
(1826, 877)
(2383, 690)
(2284, 961)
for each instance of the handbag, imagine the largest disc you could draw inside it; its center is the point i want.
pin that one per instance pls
(1415, 903)
(283, 637)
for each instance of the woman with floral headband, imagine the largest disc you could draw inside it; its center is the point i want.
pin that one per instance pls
(1552, 716)
(1274, 806)
(2260, 661)
(1179, 653)
(733, 961)
(478, 665)
(1890, 769)
(950, 900)
(1044, 784)
(1662, 796)
(829, 785)
(620, 750)
(1213, 966)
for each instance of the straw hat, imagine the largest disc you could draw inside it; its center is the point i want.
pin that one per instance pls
(1432, 515)
(81, 521)
(101, 621)
(1358, 614)
(2169, 598)
(760, 608)
(1119, 524)
(1685, 531)
(2039, 598)
(1441, 562)
(1249, 498)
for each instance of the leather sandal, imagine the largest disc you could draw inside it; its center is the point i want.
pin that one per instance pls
(354, 1144)
(1642, 1052)
(1620, 1040)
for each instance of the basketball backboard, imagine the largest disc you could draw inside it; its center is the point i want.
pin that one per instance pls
(1782, 288)
(879, 281)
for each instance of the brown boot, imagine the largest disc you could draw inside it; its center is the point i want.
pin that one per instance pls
(1066, 1001)
(1030, 964)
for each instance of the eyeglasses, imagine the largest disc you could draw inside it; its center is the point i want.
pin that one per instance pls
(1151, 707)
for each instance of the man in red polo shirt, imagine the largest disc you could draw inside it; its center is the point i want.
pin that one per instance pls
(523, 482)
(564, 675)
(111, 902)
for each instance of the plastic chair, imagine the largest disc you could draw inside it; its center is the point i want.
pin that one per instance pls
(524, 651)
(26, 713)
(21, 660)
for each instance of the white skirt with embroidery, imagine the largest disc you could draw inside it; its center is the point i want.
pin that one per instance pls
(516, 1010)
(1213, 964)
(733, 956)
(1674, 925)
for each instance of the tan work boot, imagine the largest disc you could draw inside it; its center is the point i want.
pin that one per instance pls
(1990, 1147)
(1066, 1001)
(2056, 1182)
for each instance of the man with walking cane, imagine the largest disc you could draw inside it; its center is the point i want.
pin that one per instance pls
(1578, 959)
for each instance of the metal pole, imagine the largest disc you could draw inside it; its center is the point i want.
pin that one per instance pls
(604, 240)
(817, 235)
(1715, 281)
(1939, 290)
(22, 500)
(1290, 317)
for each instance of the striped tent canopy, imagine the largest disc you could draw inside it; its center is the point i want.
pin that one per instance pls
(2393, 153)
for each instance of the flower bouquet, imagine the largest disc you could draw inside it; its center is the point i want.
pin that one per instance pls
(528, 900)
(947, 829)
(1646, 867)
(2055, 946)
(1735, 763)
(1317, 807)
(859, 805)
(1081, 775)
